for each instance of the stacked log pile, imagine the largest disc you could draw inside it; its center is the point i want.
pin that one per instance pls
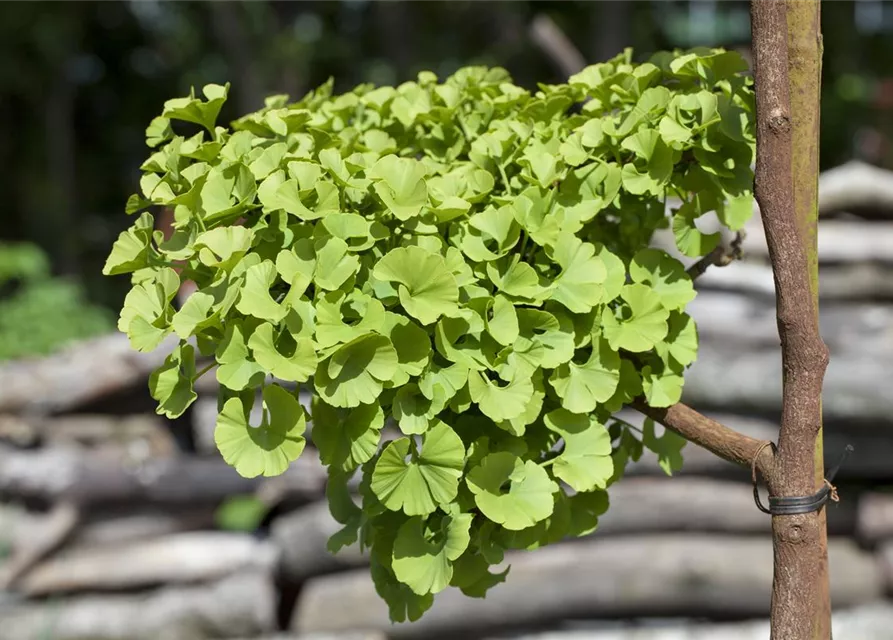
(109, 529)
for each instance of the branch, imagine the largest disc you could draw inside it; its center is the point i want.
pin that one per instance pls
(549, 37)
(717, 438)
(721, 256)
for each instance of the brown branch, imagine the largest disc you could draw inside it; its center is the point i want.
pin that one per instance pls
(717, 438)
(720, 257)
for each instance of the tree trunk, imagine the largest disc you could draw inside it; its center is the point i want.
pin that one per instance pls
(787, 53)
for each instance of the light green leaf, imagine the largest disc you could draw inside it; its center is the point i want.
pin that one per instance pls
(529, 498)
(269, 448)
(500, 402)
(255, 299)
(171, 384)
(236, 371)
(585, 463)
(196, 110)
(427, 288)
(663, 387)
(131, 250)
(346, 438)
(680, 348)
(334, 264)
(400, 183)
(355, 373)
(668, 447)
(582, 387)
(665, 274)
(426, 480)
(423, 558)
(284, 357)
(641, 323)
(580, 285)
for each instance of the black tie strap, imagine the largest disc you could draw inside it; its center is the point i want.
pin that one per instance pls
(787, 506)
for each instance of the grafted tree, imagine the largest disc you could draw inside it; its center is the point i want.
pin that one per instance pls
(470, 261)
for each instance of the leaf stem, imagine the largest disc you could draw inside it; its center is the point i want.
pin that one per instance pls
(505, 179)
(204, 371)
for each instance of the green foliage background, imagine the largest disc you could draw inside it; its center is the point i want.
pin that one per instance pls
(40, 313)
(464, 260)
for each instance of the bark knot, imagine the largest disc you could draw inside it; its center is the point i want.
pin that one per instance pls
(779, 121)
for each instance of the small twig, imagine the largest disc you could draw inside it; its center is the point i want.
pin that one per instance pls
(720, 257)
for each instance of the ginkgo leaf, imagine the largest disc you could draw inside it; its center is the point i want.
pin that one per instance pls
(196, 110)
(517, 280)
(665, 275)
(427, 288)
(680, 347)
(286, 358)
(400, 183)
(236, 369)
(580, 285)
(423, 558)
(131, 250)
(662, 386)
(642, 322)
(355, 373)
(171, 385)
(427, 479)
(582, 387)
(499, 402)
(346, 438)
(266, 449)
(334, 263)
(255, 299)
(413, 411)
(529, 498)
(668, 447)
(585, 462)
(223, 246)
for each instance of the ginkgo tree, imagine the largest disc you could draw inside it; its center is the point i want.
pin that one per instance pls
(458, 274)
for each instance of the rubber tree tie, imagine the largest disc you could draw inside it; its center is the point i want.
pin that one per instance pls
(792, 505)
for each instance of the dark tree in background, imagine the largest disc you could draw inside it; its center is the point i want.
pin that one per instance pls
(81, 80)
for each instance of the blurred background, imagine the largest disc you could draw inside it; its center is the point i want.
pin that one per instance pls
(118, 525)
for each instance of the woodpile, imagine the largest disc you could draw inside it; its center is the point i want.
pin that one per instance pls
(109, 527)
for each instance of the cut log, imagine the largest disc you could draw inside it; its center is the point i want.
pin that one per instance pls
(726, 378)
(840, 241)
(630, 576)
(301, 537)
(243, 604)
(856, 187)
(118, 526)
(869, 622)
(81, 373)
(875, 517)
(54, 474)
(749, 322)
(173, 559)
(858, 281)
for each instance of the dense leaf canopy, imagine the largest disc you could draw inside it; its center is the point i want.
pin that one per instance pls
(465, 261)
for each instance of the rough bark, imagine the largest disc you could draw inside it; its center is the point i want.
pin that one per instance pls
(785, 48)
